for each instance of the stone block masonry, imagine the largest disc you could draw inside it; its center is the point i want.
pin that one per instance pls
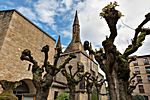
(16, 34)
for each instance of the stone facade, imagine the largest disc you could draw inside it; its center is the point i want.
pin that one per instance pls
(16, 34)
(142, 67)
(4, 26)
(90, 66)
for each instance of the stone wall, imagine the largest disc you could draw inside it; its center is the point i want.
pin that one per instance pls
(4, 23)
(21, 34)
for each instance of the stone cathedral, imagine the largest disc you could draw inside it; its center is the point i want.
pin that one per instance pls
(76, 47)
(18, 33)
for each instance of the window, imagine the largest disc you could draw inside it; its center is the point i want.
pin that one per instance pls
(21, 90)
(147, 68)
(82, 84)
(148, 77)
(145, 60)
(141, 89)
(135, 63)
(137, 70)
(55, 95)
(28, 98)
(146, 97)
(139, 79)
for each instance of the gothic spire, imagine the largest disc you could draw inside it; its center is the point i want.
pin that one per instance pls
(58, 45)
(76, 20)
(75, 44)
(76, 29)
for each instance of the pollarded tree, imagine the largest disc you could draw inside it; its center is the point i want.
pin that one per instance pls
(93, 82)
(43, 76)
(73, 79)
(98, 84)
(112, 62)
(89, 85)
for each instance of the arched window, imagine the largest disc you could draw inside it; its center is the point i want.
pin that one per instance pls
(21, 89)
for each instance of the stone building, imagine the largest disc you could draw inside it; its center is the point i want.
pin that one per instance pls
(18, 33)
(90, 66)
(142, 67)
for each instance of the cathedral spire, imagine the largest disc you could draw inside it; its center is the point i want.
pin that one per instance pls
(76, 28)
(75, 44)
(76, 20)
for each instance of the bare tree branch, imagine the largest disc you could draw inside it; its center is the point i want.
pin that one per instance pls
(138, 29)
(45, 49)
(99, 55)
(57, 56)
(70, 57)
(139, 37)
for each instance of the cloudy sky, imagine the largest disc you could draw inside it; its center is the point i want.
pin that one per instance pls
(56, 16)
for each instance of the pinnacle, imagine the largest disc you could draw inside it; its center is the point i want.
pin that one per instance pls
(58, 45)
(76, 20)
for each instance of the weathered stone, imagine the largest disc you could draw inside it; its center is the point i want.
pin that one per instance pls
(16, 34)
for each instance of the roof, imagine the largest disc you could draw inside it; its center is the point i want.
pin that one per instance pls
(14, 10)
(142, 56)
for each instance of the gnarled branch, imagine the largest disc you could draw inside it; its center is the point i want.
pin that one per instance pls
(70, 57)
(111, 15)
(99, 55)
(132, 84)
(139, 37)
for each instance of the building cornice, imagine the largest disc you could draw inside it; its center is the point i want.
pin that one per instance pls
(14, 10)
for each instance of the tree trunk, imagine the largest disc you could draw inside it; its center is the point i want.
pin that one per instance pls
(117, 72)
(72, 93)
(117, 88)
(42, 94)
(98, 91)
(89, 96)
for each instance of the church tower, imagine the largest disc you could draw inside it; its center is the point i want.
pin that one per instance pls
(75, 44)
(76, 47)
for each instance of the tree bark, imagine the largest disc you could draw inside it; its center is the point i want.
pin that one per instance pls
(72, 93)
(89, 96)
(118, 89)
(42, 94)
(118, 72)
(98, 91)
(42, 90)
(89, 91)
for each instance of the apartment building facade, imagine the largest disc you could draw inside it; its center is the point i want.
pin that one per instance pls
(142, 67)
